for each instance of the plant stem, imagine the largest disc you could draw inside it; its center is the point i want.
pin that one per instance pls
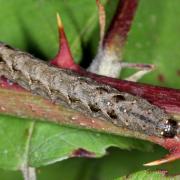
(28, 173)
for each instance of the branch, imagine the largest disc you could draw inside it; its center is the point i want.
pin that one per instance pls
(119, 28)
(108, 59)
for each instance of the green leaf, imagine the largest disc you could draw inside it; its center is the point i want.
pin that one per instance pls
(153, 39)
(31, 25)
(36, 143)
(116, 164)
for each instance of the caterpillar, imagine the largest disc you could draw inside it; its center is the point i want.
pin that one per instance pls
(68, 88)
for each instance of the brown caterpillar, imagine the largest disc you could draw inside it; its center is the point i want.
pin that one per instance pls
(83, 94)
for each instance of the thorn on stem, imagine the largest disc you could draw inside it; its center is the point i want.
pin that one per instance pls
(168, 158)
(102, 21)
(64, 57)
(143, 69)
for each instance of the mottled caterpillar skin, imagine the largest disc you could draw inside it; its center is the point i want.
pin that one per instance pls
(84, 94)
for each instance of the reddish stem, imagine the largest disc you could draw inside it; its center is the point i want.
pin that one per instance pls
(4, 83)
(121, 23)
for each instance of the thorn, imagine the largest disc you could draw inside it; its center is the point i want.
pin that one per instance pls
(143, 70)
(138, 66)
(102, 21)
(64, 57)
(155, 163)
(138, 75)
(173, 146)
(168, 158)
(59, 22)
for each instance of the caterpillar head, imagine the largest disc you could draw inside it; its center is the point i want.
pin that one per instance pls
(170, 129)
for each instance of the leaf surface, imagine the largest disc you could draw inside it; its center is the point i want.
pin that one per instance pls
(153, 40)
